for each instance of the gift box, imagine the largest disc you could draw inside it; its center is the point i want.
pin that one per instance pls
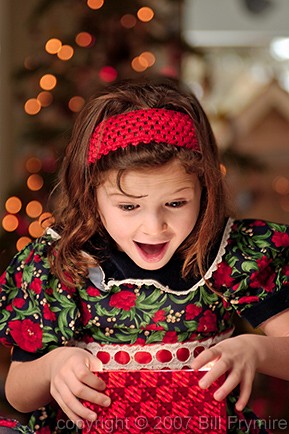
(156, 402)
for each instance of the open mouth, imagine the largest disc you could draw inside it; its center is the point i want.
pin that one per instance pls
(152, 252)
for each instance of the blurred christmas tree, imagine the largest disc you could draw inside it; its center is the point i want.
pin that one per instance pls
(80, 45)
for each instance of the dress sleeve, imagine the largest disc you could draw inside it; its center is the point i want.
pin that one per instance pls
(37, 312)
(253, 276)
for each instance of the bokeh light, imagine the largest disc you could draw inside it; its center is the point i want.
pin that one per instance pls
(35, 182)
(34, 209)
(107, 74)
(281, 185)
(32, 106)
(53, 45)
(65, 53)
(46, 219)
(35, 229)
(145, 14)
(76, 103)
(10, 222)
(13, 205)
(33, 165)
(84, 39)
(95, 4)
(138, 65)
(48, 82)
(22, 242)
(45, 98)
(149, 58)
(128, 21)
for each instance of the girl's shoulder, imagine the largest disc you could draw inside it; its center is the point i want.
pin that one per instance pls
(257, 237)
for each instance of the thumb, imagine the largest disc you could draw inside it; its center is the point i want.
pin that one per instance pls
(94, 364)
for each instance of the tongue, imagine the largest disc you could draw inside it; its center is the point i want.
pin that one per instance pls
(151, 249)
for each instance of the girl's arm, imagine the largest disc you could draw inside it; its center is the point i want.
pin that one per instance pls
(64, 374)
(242, 356)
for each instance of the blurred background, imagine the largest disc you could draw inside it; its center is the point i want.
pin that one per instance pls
(234, 54)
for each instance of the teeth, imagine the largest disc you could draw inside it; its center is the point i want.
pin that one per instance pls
(151, 249)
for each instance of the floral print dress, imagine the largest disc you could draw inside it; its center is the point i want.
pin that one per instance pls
(130, 318)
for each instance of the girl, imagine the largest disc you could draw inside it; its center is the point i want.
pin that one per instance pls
(143, 253)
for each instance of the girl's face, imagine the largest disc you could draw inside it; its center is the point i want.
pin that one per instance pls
(150, 226)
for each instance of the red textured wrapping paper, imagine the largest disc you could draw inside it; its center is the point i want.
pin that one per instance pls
(158, 402)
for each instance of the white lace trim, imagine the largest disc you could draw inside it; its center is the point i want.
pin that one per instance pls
(152, 350)
(107, 286)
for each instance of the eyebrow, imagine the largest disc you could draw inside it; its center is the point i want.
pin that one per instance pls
(138, 197)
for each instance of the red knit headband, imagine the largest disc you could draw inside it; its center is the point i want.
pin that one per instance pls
(142, 126)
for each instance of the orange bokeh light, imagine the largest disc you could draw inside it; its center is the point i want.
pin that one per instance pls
(65, 53)
(35, 182)
(76, 103)
(34, 209)
(83, 39)
(45, 98)
(46, 219)
(145, 14)
(35, 230)
(95, 4)
(138, 65)
(22, 242)
(10, 222)
(128, 21)
(33, 165)
(53, 46)
(13, 205)
(32, 106)
(149, 58)
(48, 82)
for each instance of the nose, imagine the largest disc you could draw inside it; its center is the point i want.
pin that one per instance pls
(154, 223)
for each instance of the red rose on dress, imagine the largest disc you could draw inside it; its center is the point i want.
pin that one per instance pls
(92, 291)
(152, 327)
(170, 338)
(18, 302)
(3, 279)
(36, 285)
(49, 291)
(29, 257)
(208, 322)
(222, 275)
(264, 277)
(160, 315)
(8, 423)
(123, 300)
(248, 299)
(18, 279)
(27, 334)
(280, 239)
(85, 313)
(192, 311)
(140, 341)
(48, 314)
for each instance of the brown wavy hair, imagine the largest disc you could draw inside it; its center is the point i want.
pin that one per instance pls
(77, 218)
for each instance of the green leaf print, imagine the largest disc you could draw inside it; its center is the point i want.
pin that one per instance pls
(249, 265)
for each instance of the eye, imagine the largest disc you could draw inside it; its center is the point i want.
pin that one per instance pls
(176, 204)
(128, 207)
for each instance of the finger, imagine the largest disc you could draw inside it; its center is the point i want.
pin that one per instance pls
(91, 379)
(205, 357)
(72, 407)
(216, 371)
(232, 381)
(245, 392)
(80, 386)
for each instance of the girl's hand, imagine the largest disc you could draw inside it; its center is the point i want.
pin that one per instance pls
(238, 358)
(71, 378)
